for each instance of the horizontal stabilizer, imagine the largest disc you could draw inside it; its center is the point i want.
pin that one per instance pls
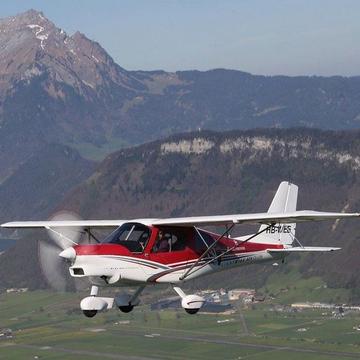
(304, 249)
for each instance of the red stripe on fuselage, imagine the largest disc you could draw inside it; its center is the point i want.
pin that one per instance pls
(168, 257)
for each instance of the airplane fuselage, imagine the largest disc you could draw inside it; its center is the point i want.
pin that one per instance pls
(115, 264)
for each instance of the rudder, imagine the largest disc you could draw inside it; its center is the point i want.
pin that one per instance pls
(285, 200)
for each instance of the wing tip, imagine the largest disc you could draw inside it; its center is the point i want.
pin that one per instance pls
(5, 225)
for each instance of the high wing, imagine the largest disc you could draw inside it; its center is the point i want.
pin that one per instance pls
(65, 223)
(258, 218)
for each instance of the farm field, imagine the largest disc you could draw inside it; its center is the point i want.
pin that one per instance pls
(46, 325)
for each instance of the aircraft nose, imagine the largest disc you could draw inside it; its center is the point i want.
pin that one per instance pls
(69, 253)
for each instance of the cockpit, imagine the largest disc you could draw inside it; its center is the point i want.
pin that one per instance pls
(136, 236)
(133, 236)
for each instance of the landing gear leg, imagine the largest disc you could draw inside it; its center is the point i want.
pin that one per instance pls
(93, 292)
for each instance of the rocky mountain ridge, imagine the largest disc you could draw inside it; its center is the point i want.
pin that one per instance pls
(35, 45)
(62, 88)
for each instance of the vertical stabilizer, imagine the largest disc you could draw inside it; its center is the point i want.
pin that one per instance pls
(284, 201)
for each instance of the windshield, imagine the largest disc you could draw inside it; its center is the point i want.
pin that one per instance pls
(131, 235)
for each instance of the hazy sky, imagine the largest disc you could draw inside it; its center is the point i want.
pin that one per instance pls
(264, 37)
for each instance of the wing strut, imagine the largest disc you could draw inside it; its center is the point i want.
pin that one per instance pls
(189, 272)
(91, 235)
(62, 236)
(202, 238)
(296, 239)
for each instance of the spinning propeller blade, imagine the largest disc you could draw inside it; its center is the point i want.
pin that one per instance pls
(54, 267)
(65, 237)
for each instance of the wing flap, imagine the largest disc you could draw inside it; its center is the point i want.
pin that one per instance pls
(258, 218)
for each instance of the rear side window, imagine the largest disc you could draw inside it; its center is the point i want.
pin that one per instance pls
(204, 241)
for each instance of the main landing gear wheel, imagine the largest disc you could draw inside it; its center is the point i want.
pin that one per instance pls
(126, 308)
(192, 311)
(90, 313)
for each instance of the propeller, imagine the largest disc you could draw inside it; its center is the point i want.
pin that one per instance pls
(65, 237)
(54, 267)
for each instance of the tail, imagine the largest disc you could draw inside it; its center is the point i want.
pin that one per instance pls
(284, 200)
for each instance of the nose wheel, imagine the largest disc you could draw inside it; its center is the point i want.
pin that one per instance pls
(127, 302)
(126, 309)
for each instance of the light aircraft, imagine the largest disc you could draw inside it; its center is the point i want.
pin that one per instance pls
(141, 252)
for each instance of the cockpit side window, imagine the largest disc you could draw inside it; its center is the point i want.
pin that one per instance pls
(131, 235)
(169, 240)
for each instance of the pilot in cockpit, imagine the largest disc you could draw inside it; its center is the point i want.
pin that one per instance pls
(165, 242)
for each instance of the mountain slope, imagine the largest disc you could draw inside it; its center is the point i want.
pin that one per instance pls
(217, 173)
(33, 192)
(41, 182)
(54, 88)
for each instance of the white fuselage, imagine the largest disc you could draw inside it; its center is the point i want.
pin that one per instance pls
(125, 270)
